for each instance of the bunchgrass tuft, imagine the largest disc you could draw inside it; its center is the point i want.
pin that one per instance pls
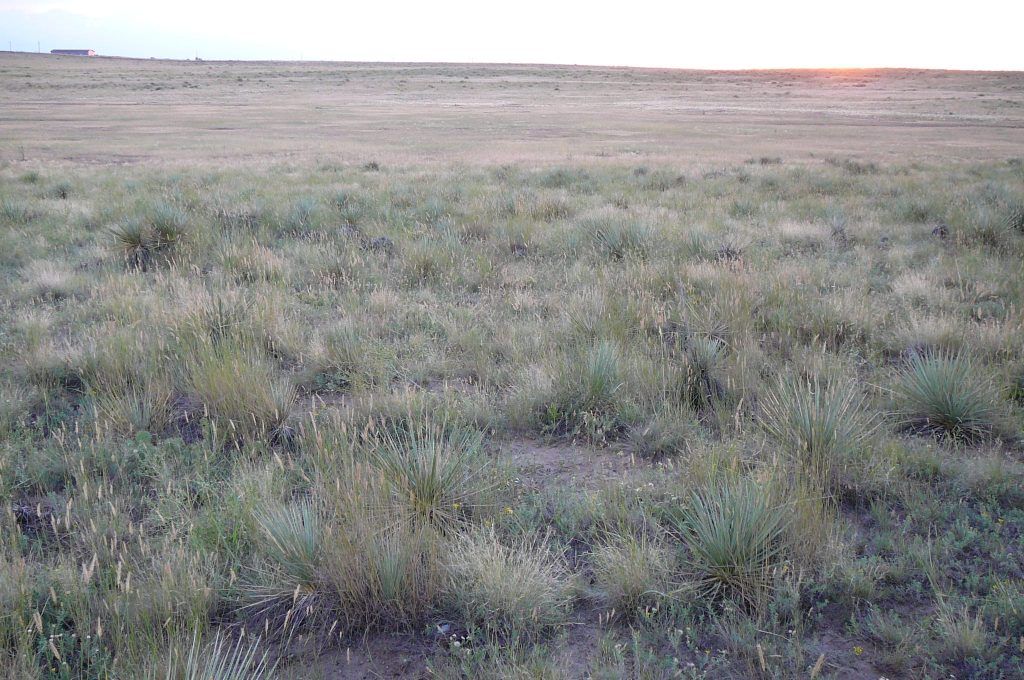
(822, 425)
(221, 659)
(944, 393)
(734, 538)
(632, 573)
(241, 391)
(434, 474)
(509, 591)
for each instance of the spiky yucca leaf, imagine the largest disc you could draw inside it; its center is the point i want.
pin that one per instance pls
(600, 378)
(701, 363)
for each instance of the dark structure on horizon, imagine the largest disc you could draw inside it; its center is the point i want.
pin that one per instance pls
(75, 53)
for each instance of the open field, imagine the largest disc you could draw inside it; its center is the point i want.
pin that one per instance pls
(344, 371)
(107, 111)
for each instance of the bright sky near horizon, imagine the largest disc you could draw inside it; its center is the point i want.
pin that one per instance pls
(983, 34)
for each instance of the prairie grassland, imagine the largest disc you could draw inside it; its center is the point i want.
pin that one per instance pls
(310, 419)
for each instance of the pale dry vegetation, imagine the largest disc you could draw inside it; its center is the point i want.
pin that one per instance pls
(251, 418)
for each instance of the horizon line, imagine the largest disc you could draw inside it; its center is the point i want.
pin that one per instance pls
(709, 69)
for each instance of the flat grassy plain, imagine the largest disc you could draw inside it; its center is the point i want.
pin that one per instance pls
(356, 370)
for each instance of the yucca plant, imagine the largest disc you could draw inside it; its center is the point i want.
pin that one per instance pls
(290, 590)
(291, 537)
(220, 660)
(1015, 215)
(585, 397)
(434, 473)
(734, 536)
(132, 240)
(168, 224)
(618, 239)
(154, 232)
(702, 360)
(600, 378)
(822, 425)
(945, 393)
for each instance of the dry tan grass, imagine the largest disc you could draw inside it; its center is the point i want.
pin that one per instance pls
(128, 111)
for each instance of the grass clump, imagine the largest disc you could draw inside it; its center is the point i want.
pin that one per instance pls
(520, 590)
(586, 399)
(665, 436)
(823, 426)
(433, 474)
(145, 239)
(632, 573)
(241, 391)
(734, 538)
(962, 634)
(943, 393)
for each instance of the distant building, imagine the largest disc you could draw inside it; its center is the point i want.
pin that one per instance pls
(75, 53)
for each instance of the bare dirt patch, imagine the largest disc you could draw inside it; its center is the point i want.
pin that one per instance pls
(542, 464)
(393, 655)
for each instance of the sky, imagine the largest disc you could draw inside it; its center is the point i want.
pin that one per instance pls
(981, 34)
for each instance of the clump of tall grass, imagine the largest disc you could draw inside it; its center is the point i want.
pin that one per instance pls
(586, 395)
(221, 659)
(130, 407)
(150, 236)
(16, 213)
(822, 425)
(346, 358)
(352, 206)
(666, 435)
(434, 474)
(702, 360)
(519, 590)
(962, 633)
(241, 391)
(734, 538)
(619, 238)
(303, 218)
(944, 393)
(632, 572)
(49, 281)
(427, 261)
(386, 576)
